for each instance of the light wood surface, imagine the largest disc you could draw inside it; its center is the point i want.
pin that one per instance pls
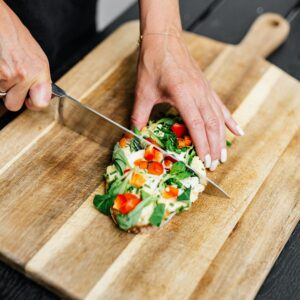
(50, 230)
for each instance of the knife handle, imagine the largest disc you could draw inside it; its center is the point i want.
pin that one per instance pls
(56, 91)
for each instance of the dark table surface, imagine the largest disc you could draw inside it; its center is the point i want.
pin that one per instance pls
(227, 21)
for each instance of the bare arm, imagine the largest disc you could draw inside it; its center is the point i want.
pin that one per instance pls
(168, 73)
(24, 68)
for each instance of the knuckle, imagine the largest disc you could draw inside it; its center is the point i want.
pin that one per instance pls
(135, 119)
(178, 89)
(5, 72)
(196, 123)
(213, 123)
(21, 73)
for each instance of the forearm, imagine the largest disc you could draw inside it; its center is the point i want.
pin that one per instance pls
(160, 16)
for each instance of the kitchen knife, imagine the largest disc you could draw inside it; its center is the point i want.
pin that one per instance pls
(103, 127)
(100, 128)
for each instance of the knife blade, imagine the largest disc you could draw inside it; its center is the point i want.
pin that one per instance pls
(59, 92)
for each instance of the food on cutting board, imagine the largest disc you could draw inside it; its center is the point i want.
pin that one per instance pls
(145, 190)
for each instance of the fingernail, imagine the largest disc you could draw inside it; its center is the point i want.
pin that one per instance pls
(223, 155)
(207, 160)
(240, 130)
(214, 165)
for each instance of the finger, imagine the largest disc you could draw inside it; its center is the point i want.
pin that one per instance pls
(212, 126)
(15, 97)
(231, 124)
(192, 118)
(141, 112)
(39, 95)
(7, 77)
(218, 110)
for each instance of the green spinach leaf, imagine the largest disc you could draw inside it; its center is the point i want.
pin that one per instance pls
(104, 202)
(185, 196)
(157, 215)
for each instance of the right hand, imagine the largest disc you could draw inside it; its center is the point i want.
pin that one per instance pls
(24, 68)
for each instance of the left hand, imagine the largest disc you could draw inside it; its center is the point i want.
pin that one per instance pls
(168, 73)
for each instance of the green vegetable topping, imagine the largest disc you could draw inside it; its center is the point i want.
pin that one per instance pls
(179, 171)
(157, 215)
(185, 196)
(119, 159)
(228, 143)
(125, 222)
(104, 202)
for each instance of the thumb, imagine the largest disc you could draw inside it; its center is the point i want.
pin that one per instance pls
(39, 95)
(141, 112)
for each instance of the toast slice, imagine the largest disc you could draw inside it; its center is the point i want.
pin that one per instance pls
(144, 190)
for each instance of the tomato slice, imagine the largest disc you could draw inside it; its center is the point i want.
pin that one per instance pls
(168, 163)
(158, 156)
(181, 143)
(132, 201)
(123, 142)
(170, 192)
(141, 163)
(155, 168)
(149, 153)
(128, 135)
(119, 202)
(137, 180)
(187, 140)
(178, 129)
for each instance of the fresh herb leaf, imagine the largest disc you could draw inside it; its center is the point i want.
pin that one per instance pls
(157, 215)
(174, 181)
(179, 171)
(185, 196)
(156, 139)
(103, 203)
(228, 143)
(135, 145)
(183, 175)
(136, 131)
(192, 154)
(178, 167)
(166, 121)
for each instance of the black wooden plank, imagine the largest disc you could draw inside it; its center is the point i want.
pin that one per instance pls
(288, 58)
(231, 19)
(283, 282)
(15, 286)
(228, 23)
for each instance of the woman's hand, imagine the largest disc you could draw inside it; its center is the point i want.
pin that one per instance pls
(24, 68)
(168, 73)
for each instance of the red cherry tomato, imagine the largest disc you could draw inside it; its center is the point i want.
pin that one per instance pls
(170, 192)
(132, 201)
(119, 202)
(155, 168)
(178, 129)
(149, 153)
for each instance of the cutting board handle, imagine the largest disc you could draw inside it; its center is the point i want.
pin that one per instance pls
(266, 34)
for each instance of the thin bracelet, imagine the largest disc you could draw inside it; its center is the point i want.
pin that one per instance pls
(156, 33)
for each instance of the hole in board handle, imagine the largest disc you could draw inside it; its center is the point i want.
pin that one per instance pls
(274, 23)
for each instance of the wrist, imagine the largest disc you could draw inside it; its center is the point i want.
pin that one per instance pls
(160, 16)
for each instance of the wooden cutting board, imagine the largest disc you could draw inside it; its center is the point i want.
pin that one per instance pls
(221, 248)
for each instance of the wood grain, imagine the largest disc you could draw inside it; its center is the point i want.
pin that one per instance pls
(49, 228)
(241, 265)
